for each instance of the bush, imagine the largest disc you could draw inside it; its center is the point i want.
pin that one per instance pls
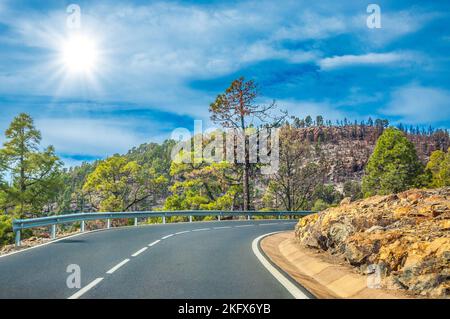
(438, 169)
(327, 194)
(6, 231)
(353, 190)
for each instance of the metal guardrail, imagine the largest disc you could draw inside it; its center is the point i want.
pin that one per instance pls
(52, 221)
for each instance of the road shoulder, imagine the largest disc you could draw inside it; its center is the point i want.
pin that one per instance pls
(318, 274)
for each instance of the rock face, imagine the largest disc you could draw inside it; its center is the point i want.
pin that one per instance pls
(407, 235)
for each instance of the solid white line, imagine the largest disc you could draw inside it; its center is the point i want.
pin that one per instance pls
(201, 229)
(244, 226)
(223, 227)
(293, 290)
(182, 232)
(113, 269)
(168, 236)
(85, 289)
(140, 251)
(154, 243)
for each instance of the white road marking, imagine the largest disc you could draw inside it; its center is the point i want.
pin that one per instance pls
(113, 269)
(293, 290)
(168, 236)
(182, 232)
(269, 224)
(201, 229)
(244, 226)
(154, 243)
(223, 227)
(85, 289)
(140, 251)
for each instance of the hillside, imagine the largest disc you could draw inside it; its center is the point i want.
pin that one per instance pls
(346, 149)
(341, 152)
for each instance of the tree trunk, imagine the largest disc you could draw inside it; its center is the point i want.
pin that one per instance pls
(246, 187)
(245, 179)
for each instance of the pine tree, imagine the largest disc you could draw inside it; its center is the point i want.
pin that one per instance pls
(394, 165)
(34, 174)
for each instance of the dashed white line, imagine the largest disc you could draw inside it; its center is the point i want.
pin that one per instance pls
(167, 236)
(140, 251)
(85, 289)
(201, 229)
(113, 269)
(269, 224)
(244, 226)
(154, 243)
(223, 227)
(182, 232)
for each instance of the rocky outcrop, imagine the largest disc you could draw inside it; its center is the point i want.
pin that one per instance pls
(407, 235)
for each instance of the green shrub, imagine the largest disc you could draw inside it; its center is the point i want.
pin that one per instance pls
(6, 231)
(320, 205)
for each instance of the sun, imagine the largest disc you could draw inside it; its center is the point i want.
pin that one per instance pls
(79, 54)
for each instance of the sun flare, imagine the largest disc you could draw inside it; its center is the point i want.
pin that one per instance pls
(79, 54)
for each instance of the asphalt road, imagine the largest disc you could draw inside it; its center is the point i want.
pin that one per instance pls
(199, 260)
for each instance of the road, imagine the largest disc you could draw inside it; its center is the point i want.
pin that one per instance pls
(183, 260)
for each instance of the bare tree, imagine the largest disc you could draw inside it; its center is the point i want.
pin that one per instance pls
(294, 183)
(236, 109)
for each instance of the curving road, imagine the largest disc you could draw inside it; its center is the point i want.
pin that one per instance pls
(184, 260)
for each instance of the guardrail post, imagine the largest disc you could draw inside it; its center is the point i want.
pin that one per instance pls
(218, 217)
(279, 216)
(248, 217)
(53, 232)
(190, 218)
(18, 238)
(82, 226)
(135, 221)
(164, 219)
(108, 223)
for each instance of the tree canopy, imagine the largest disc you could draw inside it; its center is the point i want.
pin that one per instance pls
(34, 173)
(439, 168)
(118, 184)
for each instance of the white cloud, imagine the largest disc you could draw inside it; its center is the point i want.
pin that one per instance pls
(87, 136)
(417, 104)
(394, 25)
(367, 59)
(310, 25)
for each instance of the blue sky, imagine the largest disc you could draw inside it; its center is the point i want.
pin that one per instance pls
(160, 64)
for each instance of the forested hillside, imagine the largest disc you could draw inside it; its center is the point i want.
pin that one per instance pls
(320, 163)
(340, 154)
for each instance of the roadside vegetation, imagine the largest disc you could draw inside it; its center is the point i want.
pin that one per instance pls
(321, 162)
